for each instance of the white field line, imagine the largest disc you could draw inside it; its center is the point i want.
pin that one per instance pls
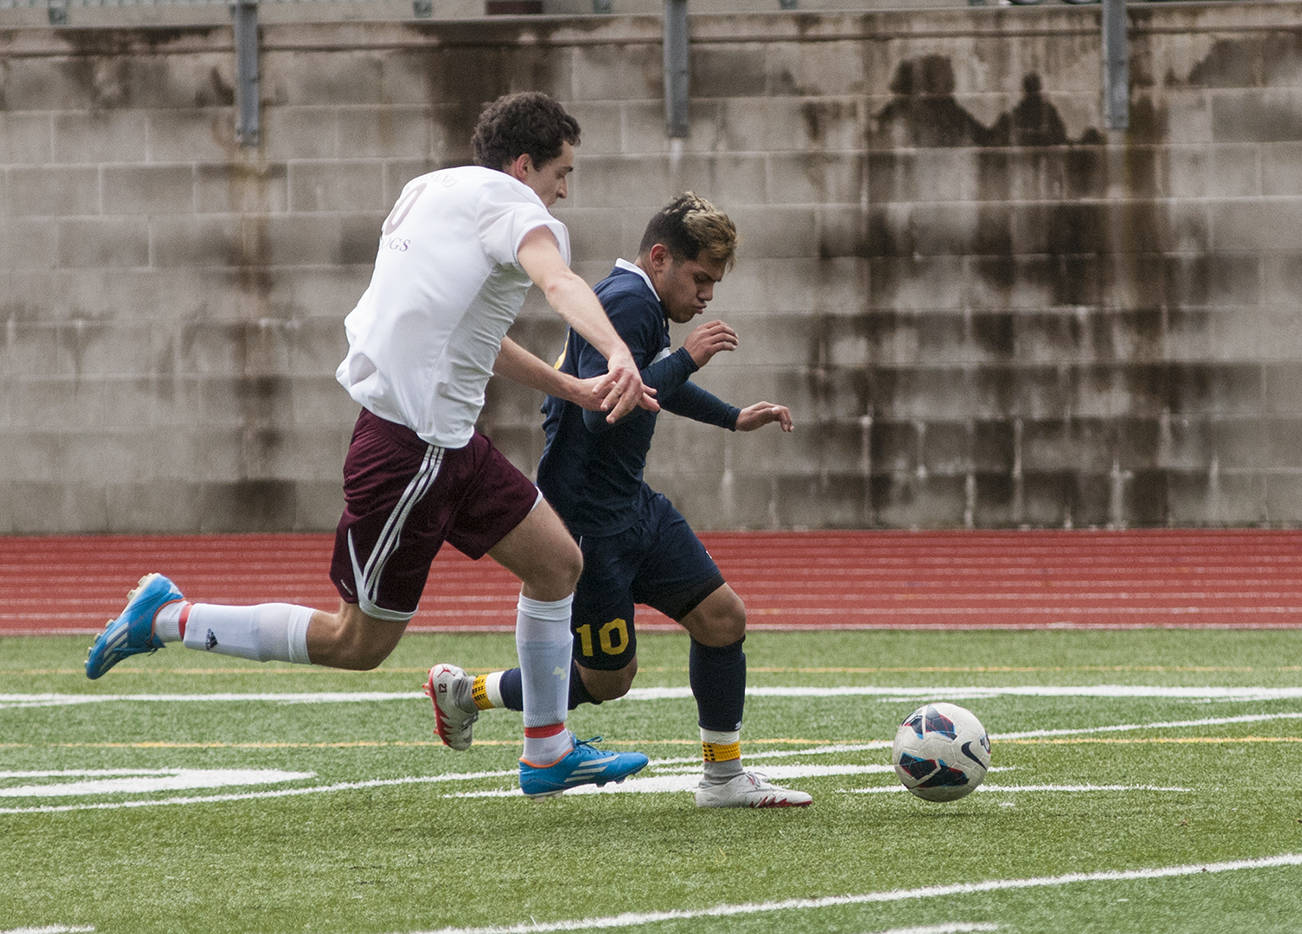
(50, 929)
(676, 782)
(680, 781)
(126, 781)
(673, 782)
(257, 795)
(850, 747)
(1023, 734)
(1004, 789)
(948, 927)
(638, 919)
(323, 697)
(690, 760)
(892, 694)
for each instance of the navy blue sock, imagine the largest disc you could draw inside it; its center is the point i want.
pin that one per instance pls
(512, 689)
(717, 675)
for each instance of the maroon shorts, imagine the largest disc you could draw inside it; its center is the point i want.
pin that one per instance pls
(403, 498)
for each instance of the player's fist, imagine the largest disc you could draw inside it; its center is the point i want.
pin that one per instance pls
(708, 339)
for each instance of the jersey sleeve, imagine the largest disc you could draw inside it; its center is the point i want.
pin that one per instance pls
(691, 401)
(638, 321)
(506, 214)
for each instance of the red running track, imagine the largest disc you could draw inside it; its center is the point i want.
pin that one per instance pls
(1167, 578)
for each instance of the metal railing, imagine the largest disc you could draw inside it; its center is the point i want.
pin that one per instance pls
(677, 77)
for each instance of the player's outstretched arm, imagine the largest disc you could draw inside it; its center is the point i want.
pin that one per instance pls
(763, 413)
(521, 366)
(570, 297)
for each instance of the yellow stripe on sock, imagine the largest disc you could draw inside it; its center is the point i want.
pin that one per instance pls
(479, 693)
(721, 752)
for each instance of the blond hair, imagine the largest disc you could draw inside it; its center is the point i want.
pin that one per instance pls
(690, 227)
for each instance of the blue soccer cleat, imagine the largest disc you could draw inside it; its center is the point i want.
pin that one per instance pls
(133, 631)
(582, 765)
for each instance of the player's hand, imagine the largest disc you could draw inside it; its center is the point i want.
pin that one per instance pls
(706, 340)
(626, 390)
(762, 413)
(591, 393)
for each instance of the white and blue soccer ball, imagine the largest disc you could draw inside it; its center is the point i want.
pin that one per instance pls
(941, 752)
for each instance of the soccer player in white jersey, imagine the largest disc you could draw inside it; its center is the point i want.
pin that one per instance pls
(457, 254)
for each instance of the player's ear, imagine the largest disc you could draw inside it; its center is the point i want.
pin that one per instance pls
(518, 169)
(659, 256)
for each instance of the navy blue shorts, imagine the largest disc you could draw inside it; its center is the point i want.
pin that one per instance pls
(658, 562)
(404, 498)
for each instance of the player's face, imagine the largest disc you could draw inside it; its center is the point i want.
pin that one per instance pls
(687, 286)
(549, 180)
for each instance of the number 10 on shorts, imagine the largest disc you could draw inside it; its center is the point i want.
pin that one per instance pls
(611, 638)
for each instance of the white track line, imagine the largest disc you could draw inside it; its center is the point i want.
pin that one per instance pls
(892, 694)
(637, 919)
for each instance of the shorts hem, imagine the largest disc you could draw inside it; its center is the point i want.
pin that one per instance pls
(678, 609)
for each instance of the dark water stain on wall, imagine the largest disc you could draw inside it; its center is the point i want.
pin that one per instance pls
(1048, 226)
(923, 111)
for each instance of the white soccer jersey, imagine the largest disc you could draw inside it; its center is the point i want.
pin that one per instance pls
(425, 334)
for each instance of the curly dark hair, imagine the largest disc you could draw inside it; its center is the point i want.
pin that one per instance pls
(527, 122)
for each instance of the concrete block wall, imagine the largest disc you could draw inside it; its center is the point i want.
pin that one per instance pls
(984, 308)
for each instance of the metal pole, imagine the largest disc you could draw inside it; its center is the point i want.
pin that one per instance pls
(676, 68)
(248, 127)
(1116, 66)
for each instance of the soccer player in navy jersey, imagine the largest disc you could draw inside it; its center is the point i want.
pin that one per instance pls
(636, 547)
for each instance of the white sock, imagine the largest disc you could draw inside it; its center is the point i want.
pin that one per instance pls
(265, 632)
(167, 621)
(493, 688)
(544, 645)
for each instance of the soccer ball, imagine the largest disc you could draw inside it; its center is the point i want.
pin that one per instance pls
(941, 752)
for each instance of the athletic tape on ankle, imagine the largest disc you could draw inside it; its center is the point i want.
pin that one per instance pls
(479, 693)
(720, 752)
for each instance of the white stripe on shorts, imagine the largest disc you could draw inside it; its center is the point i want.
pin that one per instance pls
(368, 579)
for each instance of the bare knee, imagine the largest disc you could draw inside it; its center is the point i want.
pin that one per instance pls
(608, 685)
(552, 575)
(362, 657)
(719, 620)
(569, 565)
(542, 553)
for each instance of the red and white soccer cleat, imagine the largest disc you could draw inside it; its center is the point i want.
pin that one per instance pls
(749, 790)
(449, 688)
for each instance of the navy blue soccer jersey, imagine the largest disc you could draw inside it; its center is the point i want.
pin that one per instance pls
(590, 471)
